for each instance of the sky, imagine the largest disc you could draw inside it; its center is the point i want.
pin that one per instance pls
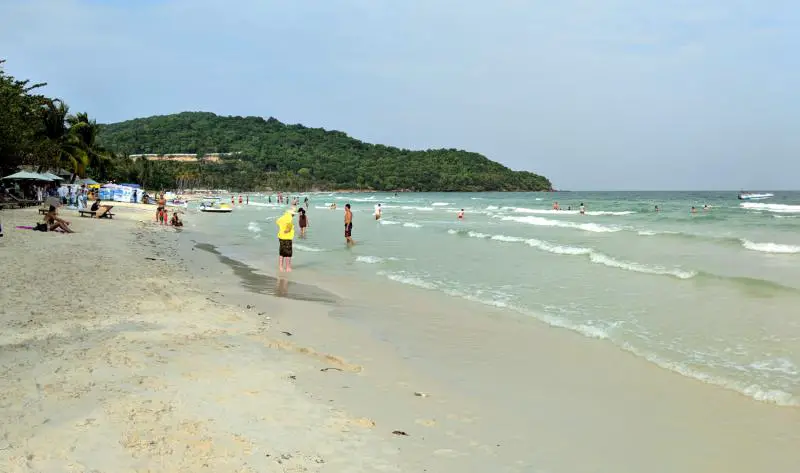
(594, 94)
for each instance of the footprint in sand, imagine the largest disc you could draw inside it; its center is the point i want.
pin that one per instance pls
(426, 422)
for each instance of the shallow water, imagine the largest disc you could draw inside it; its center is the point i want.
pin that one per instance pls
(711, 295)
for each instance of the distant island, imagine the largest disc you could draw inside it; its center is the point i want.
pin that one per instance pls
(201, 149)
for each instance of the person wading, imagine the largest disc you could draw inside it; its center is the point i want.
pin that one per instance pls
(285, 237)
(348, 225)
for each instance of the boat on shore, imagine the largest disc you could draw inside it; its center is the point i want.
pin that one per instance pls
(754, 195)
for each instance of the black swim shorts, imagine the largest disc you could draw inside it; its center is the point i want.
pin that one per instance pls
(285, 248)
(348, 229)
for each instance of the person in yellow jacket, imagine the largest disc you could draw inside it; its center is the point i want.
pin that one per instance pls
(285, 236)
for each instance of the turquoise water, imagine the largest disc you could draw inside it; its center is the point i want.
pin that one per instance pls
(711, 295)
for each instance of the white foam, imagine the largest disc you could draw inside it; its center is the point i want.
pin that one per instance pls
(770, 247)
(452, 232)
(778, 208)
(570, 212)
(440, 204)
(421, 209)
(308, 248)
(370, 259)
(759, 393)
(646, 233)
(558, 249)
(404, 278)
(492, 207)
(546, 222)
(594, 256)
(265, 204)
(253, 227)
(600, 258)
(412, 225)
(388, 222)
(477, 234)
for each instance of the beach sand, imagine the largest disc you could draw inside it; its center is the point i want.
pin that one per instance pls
(112, 362)
(130, 347)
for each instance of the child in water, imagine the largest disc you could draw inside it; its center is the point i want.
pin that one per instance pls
(302, 222)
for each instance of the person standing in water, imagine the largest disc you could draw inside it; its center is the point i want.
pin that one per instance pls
(555, 206)
(285, 237)
(694, 210)
(302, 222)
(461, 214)
(657, 209)
(305, 201)
(582, 209)
(348, 224)
(378, 212)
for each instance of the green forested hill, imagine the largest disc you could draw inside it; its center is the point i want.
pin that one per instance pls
(273, 154)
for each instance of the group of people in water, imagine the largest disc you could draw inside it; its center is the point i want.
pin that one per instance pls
(581, 208)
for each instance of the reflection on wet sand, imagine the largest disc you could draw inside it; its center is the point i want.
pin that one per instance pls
(263, 284)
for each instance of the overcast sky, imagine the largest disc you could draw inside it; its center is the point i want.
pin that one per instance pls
(594, 94)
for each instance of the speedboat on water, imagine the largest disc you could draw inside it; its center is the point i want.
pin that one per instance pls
(215, 206)
(754, 196)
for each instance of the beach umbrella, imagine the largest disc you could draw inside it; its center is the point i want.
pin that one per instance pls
(87, 181)
(26, 176)
(50, 176)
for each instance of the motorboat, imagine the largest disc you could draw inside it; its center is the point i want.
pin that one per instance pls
(754, 195)
(215, 206)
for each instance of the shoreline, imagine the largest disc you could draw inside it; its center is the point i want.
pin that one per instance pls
(148, 351)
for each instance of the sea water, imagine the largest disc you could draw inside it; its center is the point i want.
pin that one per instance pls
(713, 295)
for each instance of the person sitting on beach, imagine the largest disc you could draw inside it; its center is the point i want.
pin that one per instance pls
(100, 210)
(54, 223)
(175, 221)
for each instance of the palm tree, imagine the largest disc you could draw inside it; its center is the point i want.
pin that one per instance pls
(66, 148)
(86, 132)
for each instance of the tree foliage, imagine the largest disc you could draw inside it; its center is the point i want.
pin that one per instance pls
(270, 154)
(38, 130)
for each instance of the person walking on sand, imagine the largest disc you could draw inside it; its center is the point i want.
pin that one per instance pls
(348, 224)
(302, 222)
(285, 237)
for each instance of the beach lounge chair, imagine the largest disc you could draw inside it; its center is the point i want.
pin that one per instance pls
(102, 212)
